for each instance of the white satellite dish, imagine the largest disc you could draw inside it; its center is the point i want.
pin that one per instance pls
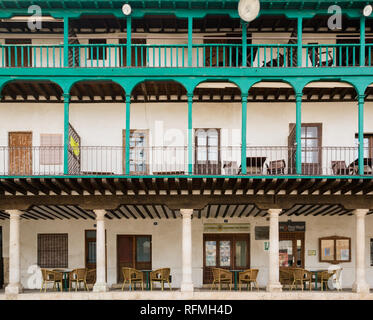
(367, 10)
(248, 10)
(126, 9)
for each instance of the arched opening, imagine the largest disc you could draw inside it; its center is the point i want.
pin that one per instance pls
(329, 129)
(32, 133)
(270, 112)
(216, 128)
(95, 123)
(159, 128)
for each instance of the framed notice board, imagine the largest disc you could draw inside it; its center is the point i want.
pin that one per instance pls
(261, 233)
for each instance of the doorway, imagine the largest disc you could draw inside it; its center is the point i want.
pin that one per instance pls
(20, 153)
(226, 251)
(291, 249)
(90, 249)
(133, 251)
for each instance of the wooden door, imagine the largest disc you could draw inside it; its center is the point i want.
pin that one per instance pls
(291, 249)
(133, 251)
(207, 151)
(17, 56)
(226, 251)
(20, 153)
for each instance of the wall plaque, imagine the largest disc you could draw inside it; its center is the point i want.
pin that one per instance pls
(226, 227)
(291, 226)
(262, 233)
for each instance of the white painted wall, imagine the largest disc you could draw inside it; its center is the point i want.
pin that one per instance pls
(166, 243)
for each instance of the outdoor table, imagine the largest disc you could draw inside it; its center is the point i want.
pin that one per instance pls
(147, 272)
(65, 277)
(235, 277)
(316, 272)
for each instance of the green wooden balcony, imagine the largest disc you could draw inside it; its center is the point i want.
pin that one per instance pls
(177, 55)
(261, 161)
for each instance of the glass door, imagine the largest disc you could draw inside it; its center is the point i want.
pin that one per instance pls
(291, 249)
(226, 251)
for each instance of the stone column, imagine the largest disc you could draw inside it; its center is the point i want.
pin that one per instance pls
(360, 285)
(274, 264)
(14, 286)
(100, 285)
(186, 281)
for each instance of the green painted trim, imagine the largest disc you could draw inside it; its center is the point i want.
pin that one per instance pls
(129, 41)
(299, 41)
(244, 43)
(361, 133)
(362, 41)
(190, 41)
(298, 133)
(190, 133)
(66, 42)
(243, 133)
(66, 121)
(128, 133)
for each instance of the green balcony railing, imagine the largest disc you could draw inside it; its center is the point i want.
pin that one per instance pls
(208, 55)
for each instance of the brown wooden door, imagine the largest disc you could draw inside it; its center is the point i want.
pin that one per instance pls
(291, 249)
(20, 153)
(18, 56)
(226, 251)
(133, 251)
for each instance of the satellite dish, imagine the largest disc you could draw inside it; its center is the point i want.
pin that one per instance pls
(248, 10)
(367, 10)
(126, 9)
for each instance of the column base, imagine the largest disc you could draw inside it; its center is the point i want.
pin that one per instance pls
(274, 287)
(361, 287)
(186, 287)
(13, 288)
(100, 287)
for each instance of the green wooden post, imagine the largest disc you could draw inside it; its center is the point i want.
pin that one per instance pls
(190, 133)
(361, 98)
(129, 36)
(66, 121)
(243, 133)
(66, 41)
(128, 132)
(244, 44)
(299, 42)
(298, 132)
(190, 42)
(362, 41)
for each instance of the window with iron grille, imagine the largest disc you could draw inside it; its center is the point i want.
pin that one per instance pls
(52, 250)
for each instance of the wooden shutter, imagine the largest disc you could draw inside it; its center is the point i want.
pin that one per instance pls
(53, 250)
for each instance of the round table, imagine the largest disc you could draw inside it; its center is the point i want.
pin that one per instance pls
(235, 277)
(65, 276)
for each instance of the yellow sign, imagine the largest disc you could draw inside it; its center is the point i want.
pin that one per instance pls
(226, 227)
(75, 146)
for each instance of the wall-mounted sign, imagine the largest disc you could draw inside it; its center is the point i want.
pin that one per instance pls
(311, 252)
(262, 233)
(226, 227)
(266, 245)
(291, 226)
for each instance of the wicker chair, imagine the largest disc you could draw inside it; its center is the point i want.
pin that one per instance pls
(221, 276)
(132, 275)
(162, 276)
(78, 276)
(324, 278)
(91, 277)
(49, 276)
(287, 276)
(301, 277)
(249, 277)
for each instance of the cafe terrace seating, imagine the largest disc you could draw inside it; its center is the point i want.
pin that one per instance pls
(221, 276)
(162, 276)
(248, 277)
(132, 276)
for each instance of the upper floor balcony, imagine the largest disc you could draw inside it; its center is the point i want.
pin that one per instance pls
(168, 37)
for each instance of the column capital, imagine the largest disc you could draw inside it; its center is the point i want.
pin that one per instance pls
(186, 213)
(190, 96)
(361, 212)
(244, 96)
(361, 97)
(100, 214)
(299, 96)
(14, 213)
(66, 97)
(274, 212)
(128, 97)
